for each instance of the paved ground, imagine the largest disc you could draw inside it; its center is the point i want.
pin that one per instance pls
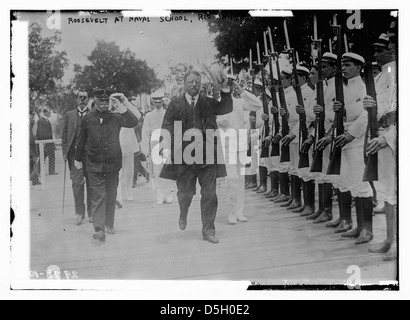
(274, 247)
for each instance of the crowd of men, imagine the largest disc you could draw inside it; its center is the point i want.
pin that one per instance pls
(105, 139)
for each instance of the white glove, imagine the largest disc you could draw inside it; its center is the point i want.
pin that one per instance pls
(78, 164)
(117, 106)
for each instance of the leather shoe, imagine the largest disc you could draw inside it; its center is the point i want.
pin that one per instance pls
(365, 237)
(262, 189)
(272, 195)
(381, 248)
(182, 223)
(334, 224)
(251, 186)
(314, 215)
(355, 233)
(79, 220)
(211, 239)
(391, 255)
(299, 210)
(281, 199)
(100, 235)
(275, 198)
(308, 211)
(344, 226)
(287, 203)
(91, 220)
(324, 217)
(294, 205)
(110, 230)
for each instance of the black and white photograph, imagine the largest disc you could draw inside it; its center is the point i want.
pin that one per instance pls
(250, 147)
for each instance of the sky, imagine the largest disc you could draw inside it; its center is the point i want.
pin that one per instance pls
(158, 42)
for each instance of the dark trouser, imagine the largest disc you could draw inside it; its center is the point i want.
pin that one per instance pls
(49, 151)
(78, 179)
(103, 187)
(138, 168)
(34, 172)
(186, 184)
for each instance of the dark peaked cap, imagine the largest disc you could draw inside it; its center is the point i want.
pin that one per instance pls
(102, 93)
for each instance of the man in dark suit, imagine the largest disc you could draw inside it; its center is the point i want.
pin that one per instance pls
(71, 132)
(197, 113)
(45, 132)
(99, 140)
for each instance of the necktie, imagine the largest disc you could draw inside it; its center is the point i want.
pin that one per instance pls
(82, 113)
(193, 103)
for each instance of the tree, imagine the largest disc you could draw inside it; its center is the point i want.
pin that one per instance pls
(119, 70)
(46, 64)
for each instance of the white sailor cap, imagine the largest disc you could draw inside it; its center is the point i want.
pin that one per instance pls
(287, 72)
(383, 41)
(329, 57)
(350, 56)
(268, 93)
(258, 83)
(302, 69)
(157, 95)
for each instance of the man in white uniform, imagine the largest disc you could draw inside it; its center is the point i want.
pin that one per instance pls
(236, 152)
(386, 144)
(324, 213)
(150, 138)
(352, 142)
(293, 139)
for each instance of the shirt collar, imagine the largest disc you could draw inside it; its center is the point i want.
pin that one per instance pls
(189, 98)
(354, 80)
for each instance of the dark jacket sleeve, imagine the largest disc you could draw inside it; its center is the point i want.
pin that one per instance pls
(128, 119)
(225, 106)
(65, 135)
(82, 140)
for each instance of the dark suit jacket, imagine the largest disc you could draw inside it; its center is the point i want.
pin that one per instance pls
(70, 132)
(179, 110)
(44, 130)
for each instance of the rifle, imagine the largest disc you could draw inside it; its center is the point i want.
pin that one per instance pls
(285, 150)
(317, 163)
(275, 146)
(252, 113)
(371, 160)
(265, 146)
(303, 130)
(336, 152)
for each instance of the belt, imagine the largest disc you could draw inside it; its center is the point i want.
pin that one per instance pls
(388, 119)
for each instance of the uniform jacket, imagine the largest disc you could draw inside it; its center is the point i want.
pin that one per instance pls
(99, 139)
(153, 121)
(386, 89)
(237, 119)
(291, 100)
(206, 111)
(356, 117)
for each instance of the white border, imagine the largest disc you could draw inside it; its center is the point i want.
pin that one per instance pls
(200, 290)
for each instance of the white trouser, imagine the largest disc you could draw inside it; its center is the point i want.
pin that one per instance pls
(386, 186)
(235, 186)
(294, 158)
(321, 177)
(284, 167)
(125, 178)
(351, 174)
(162, 186)
(272, 163)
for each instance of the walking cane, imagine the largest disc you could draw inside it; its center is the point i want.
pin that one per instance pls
(65, 172)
